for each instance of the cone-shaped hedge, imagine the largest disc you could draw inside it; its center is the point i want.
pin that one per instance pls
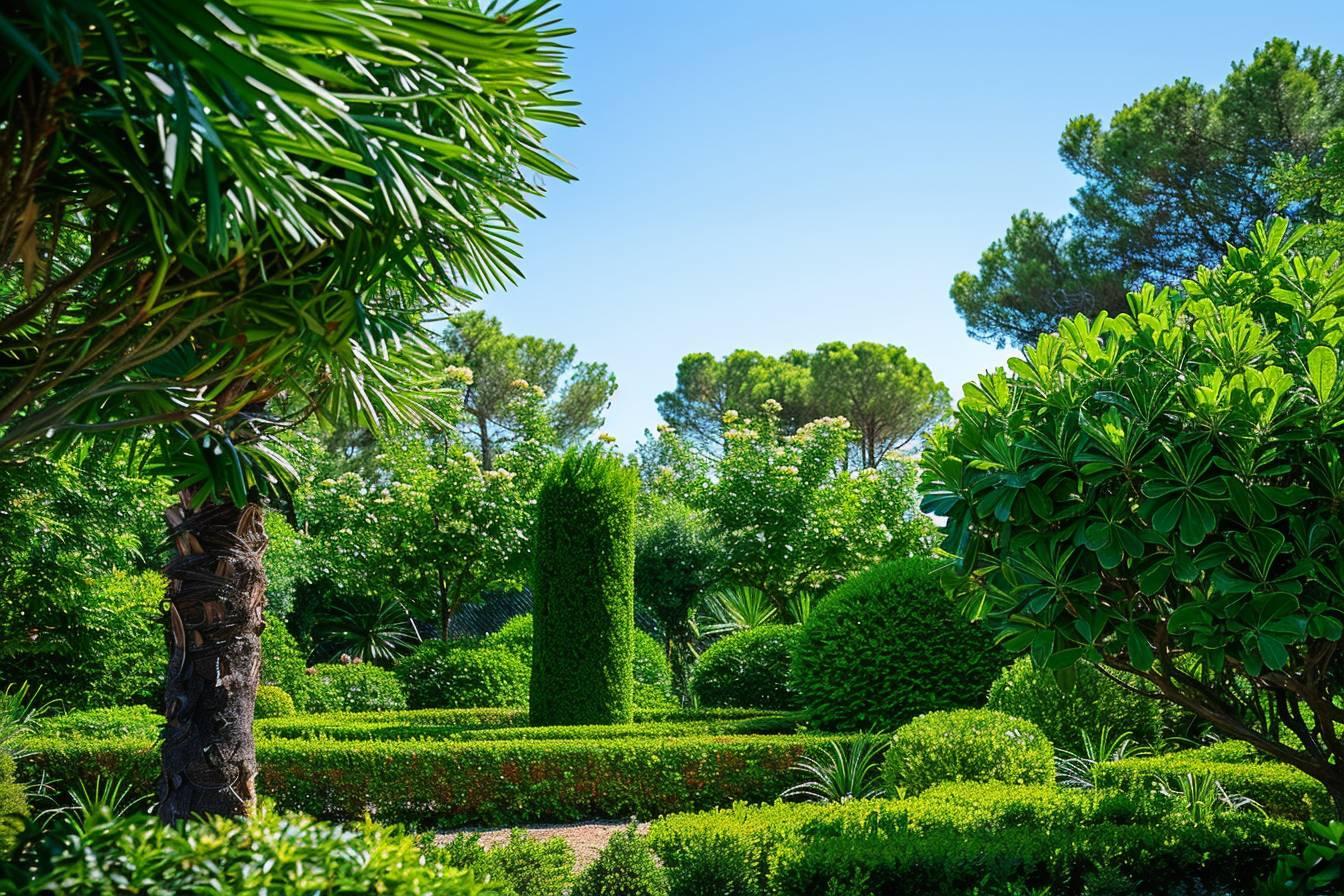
(583, 598)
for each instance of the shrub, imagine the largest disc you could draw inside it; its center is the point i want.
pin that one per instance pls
(626, 867)
(1279, 789)
(966, 838)
(283, 663)
(1094, 702)
(472, 782)
(354, 687)
(115, 721)
(748, 668)
(583, 610)
(340, 727)
(267, 853)
(520, 867)
(649, 666)
(514, 636)
(652, 672)
(273, 703)
(13, 804)
(967, 745)
(440, 674)
(889, 645)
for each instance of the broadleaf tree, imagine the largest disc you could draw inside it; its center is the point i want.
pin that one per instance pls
(219, 218)
(1160, 492)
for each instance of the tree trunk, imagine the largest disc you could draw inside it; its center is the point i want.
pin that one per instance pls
(487, 448)
(216, 594)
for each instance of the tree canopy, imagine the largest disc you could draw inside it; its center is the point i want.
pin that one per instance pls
(576, 393)
(1160, 491)
(1176, 176)
(889, 398)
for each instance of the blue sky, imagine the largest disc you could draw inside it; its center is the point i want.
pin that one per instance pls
(772, 175)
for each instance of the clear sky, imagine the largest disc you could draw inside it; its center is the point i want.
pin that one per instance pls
(772, 174)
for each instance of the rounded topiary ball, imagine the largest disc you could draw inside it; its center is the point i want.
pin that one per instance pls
(273, 703)
(748, 669)
(888, 645)
(1094, 702)
(441, 675)
(978, 745)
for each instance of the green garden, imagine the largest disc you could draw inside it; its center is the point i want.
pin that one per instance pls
(315, 578)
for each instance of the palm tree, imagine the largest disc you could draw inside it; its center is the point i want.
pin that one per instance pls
(217, 220)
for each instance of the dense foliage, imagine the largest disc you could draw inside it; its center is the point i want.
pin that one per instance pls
(677, 559)
(985, 839)
(748, 669)
(889, 397)
(625, 867)
(354, 687)
(1179, 173)
(1160, 491)
(495, 781)
(13, 804)
(895, 625)
(1092, 701)
(978, 745)
(267, 853)
(79, 617)
(441, 674)
(522, 866)
(790, 514)
(583, 598)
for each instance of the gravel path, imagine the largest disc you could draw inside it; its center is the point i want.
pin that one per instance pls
(587, 838)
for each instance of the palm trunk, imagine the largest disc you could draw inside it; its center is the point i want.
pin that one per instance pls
(216, 594)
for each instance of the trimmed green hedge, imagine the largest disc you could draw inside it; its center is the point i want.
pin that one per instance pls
(583, 612)
(354, 687)
(967, 838)
(1280, 789)
(765, 724)
(889, 645)
(485, 782)
(273, 703)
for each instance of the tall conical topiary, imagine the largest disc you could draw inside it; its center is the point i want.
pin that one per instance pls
(584, 591)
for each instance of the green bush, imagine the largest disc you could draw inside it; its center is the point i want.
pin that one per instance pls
(1094, 702)
(748, 669)
(626, 867)
(967, 745)
(967, 838)
(521, 867)
(283, 663)
(331, 726)
(13, 804)
(514, 636)
(441, 674)
(650, 669)
(889, 645)
(584, 610)
(354, 687)
(273, 703)
(267, 853)
(115, 721)
(1279, 789)
(472, 782)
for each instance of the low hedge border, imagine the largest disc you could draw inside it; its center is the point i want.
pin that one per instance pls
(481, 782)
(955, 837)
(1280, 789)
(300, 730)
